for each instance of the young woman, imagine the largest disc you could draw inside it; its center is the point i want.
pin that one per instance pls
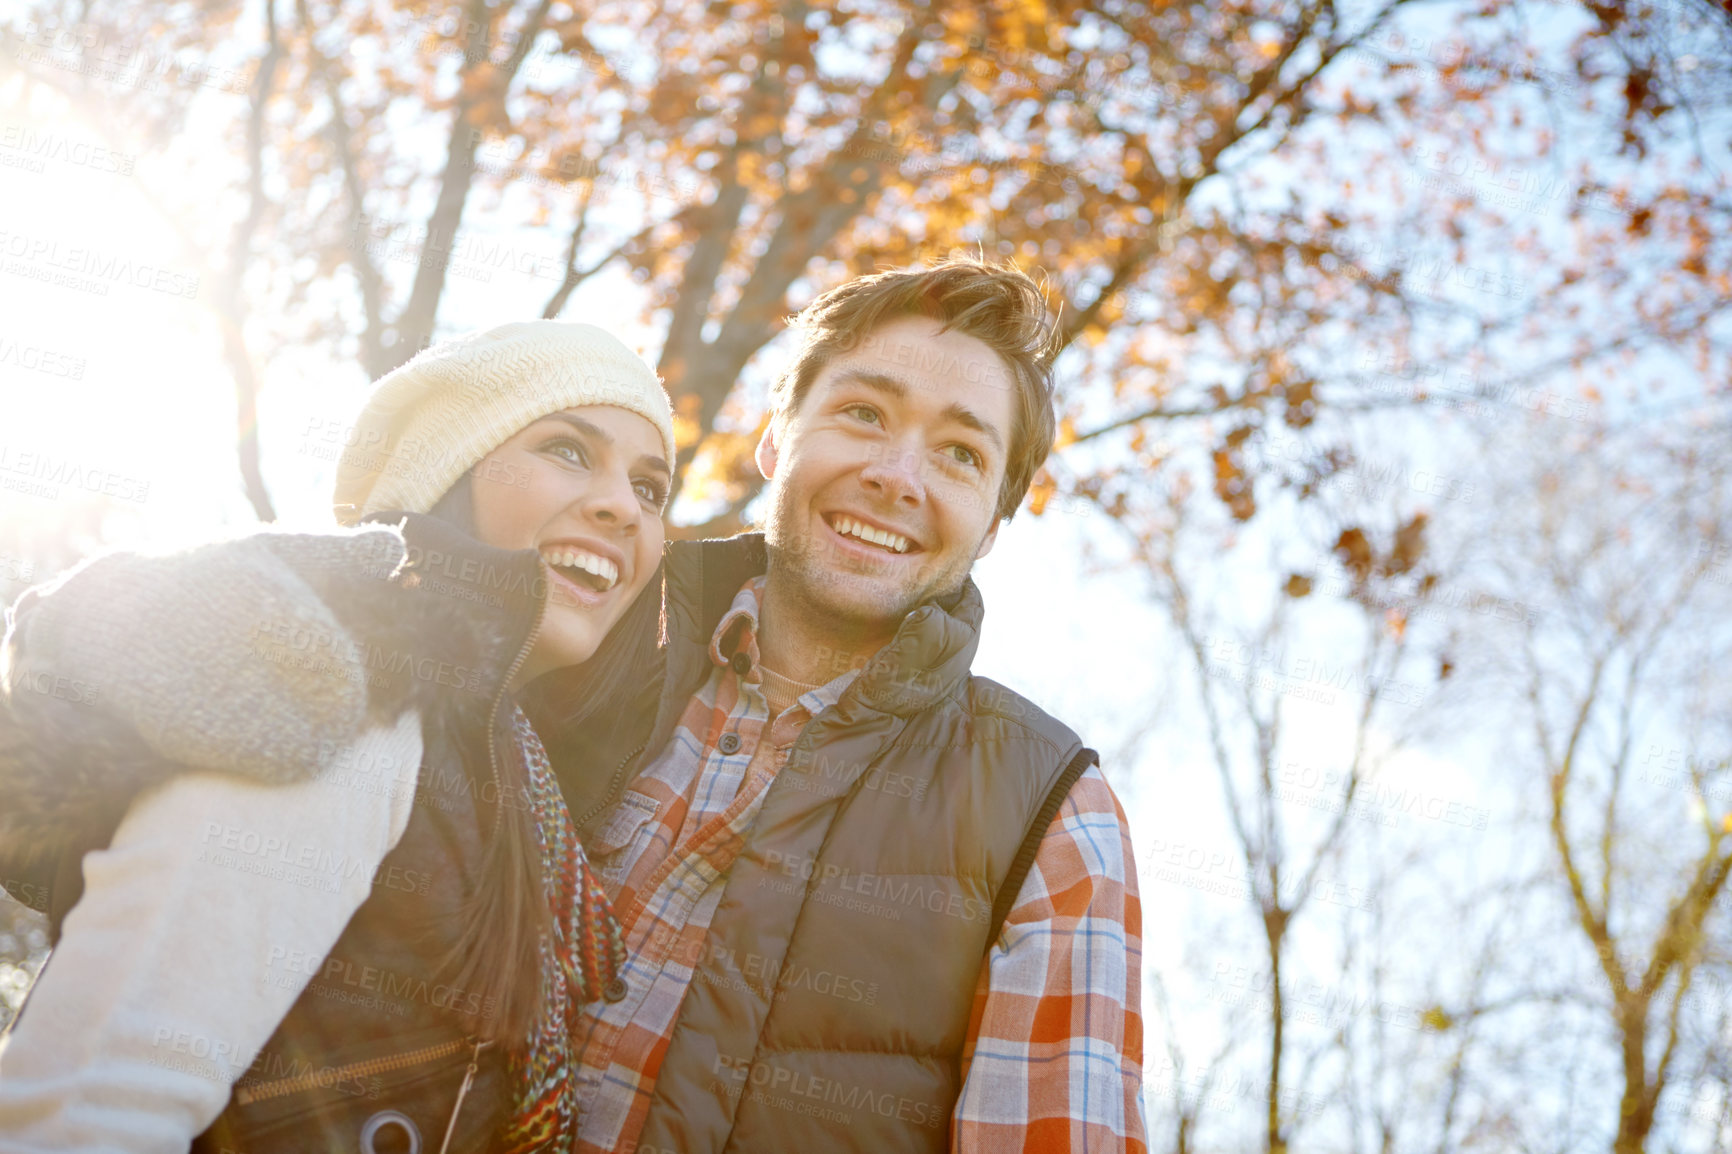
(344, 906)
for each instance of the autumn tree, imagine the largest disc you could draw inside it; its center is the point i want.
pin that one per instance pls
(1178, 171)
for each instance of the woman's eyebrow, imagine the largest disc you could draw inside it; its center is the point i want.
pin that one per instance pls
(583, 426)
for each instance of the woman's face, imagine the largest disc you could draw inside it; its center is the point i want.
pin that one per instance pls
(584, 487)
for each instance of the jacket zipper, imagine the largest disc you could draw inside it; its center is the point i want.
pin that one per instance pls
(260, 1091)
(499, 698)
(613, 785)
(462, 1093)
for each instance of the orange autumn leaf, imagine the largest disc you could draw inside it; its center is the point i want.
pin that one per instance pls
(1040, 492)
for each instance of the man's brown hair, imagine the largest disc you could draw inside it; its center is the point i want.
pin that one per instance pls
(999, 305)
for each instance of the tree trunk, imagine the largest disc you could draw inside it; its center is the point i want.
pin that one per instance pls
(231, 309)
(1636, 1108)
(1275, 1141)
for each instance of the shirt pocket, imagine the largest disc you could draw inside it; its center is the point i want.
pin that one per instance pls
(620, 828)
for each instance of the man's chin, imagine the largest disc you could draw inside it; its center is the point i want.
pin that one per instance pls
(861, 600)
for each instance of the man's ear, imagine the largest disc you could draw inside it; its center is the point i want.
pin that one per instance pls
(988, 541)
(765, 454)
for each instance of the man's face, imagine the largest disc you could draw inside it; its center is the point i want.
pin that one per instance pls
(903, 439)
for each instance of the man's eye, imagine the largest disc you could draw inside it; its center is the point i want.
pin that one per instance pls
(865, 412)
(963, 455)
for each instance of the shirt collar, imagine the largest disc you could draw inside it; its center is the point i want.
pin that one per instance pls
(736, 636)
(927, 659)
(737, 632)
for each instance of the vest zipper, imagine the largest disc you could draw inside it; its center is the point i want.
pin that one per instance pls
(260, 1091)
(615, 785)
(462, 1093)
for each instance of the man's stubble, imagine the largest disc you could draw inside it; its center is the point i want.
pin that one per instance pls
(828, 603)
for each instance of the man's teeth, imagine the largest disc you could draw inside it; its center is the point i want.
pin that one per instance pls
(849, 527)
(588, 562)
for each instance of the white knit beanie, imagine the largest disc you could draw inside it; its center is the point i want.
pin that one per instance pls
(427, 422)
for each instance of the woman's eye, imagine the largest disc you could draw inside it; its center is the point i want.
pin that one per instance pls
(652, 491)
(963, 455)
(567, 450)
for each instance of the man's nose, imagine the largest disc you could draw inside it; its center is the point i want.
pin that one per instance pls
(895, 470)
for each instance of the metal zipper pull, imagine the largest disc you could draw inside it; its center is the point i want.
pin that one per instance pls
(462, 1093)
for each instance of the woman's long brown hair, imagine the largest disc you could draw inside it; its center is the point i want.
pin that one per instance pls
(496, 959)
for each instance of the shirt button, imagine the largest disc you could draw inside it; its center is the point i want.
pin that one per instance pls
(730, 743)
(615, 990)
(741, 663)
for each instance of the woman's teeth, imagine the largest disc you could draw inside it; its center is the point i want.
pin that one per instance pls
(604, 571)
(849, 527)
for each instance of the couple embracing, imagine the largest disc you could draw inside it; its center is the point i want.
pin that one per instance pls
(493, 821)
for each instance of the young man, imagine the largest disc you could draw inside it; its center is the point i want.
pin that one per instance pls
(806, 846)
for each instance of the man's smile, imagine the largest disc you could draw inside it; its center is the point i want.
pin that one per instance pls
(869, 538)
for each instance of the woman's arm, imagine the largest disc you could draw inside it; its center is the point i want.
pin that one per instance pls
(259, 656)
(199, 927)
(239, 655)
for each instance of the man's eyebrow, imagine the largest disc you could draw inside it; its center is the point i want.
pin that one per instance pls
(588, 428)
(968, 418)
(879, 381)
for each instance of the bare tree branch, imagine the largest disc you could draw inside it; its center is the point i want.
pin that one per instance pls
(231, 305)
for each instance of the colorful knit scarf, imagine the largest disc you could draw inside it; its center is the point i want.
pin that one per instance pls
(585, 954)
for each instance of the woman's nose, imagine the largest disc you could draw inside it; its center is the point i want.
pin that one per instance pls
(610, 499)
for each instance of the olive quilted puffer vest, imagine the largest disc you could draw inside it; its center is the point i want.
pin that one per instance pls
(833, 1000)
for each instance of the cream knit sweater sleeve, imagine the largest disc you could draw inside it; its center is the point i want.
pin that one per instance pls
(198, 928)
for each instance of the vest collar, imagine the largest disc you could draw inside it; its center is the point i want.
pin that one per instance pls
(926, 660)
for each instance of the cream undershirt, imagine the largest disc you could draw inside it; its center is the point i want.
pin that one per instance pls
(781, 691)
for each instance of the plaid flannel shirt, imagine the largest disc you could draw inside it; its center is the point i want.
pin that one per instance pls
(1053, 1057)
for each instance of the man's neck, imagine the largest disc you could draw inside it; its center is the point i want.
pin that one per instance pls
(804, 647)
